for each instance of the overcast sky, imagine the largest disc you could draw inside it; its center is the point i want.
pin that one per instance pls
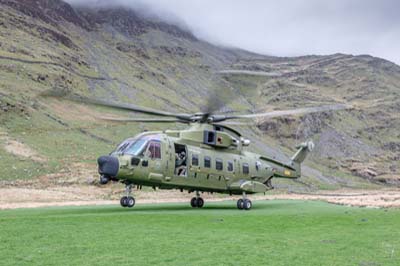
(287, 27)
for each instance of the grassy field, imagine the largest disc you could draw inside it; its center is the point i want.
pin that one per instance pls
(272, 233)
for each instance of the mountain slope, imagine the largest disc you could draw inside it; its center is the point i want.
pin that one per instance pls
(117, 54)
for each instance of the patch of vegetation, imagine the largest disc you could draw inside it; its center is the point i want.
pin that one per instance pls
(14, 167)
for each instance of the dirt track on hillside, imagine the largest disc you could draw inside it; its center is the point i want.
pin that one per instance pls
(16, 197)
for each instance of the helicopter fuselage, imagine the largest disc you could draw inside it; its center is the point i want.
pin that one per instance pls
(207, 158)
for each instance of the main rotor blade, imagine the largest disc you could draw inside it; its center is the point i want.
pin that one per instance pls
(300, 111)
(114, 105)
(153, 120)
(233, 123)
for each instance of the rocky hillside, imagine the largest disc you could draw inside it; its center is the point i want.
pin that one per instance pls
(117, 54)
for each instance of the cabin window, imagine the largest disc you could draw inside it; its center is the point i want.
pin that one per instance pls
(246, 168)
(154, 150)
(219, 165)
(230, 166)
(195, 159)
(258, 165)
(207, 162)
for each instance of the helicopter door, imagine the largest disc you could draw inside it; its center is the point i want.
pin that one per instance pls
(153, 157)
(180, 160)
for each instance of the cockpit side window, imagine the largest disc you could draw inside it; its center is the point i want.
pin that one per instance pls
(154, 150)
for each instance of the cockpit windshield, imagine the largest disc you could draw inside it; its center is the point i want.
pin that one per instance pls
(125, 144)
(135, 146)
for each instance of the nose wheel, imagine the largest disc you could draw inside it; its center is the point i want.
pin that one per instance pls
(128, 200)
(197, 202)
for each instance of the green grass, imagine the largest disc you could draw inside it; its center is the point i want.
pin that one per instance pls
(273, 233)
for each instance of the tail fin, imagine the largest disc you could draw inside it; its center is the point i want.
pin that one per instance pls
(303, 149)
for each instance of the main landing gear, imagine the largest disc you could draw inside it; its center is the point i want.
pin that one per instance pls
(244, 203)
(128, 200)
(197, 202)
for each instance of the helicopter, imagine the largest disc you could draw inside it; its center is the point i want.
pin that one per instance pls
(207, 156)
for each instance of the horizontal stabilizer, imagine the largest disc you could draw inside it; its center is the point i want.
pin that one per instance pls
(303, 149)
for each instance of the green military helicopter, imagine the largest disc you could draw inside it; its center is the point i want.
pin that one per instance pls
(208, 156)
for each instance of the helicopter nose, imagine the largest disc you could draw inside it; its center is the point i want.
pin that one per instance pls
(108, 166)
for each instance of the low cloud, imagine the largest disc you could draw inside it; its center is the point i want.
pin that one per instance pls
(285, 27)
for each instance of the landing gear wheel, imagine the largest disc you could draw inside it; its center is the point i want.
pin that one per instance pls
(197, 202)
(130, 202)
(124, 201)
(200, 202)
(193, 202)
(247, 204)
(240, 204)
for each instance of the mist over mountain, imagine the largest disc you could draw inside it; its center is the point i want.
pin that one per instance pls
(125, 55)
(284, 28)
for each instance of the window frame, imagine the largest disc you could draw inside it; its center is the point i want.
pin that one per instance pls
(196, 157)
(229, 169)
(219, 164)
(247, 167)
(207, 159)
